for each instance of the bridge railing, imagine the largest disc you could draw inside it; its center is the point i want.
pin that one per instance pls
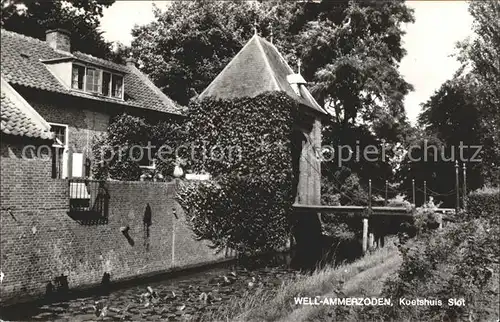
(366, 212)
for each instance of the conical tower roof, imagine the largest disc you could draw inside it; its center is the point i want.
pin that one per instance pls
(257, 68)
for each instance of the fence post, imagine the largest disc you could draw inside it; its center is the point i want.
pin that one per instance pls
(365, 235)
(370, 194)
(457, 188)
(413, 188)
(425, 192)
(386, 184)
(465, 187)
(370, 234)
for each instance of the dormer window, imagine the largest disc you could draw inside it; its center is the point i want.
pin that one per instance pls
(97, 81)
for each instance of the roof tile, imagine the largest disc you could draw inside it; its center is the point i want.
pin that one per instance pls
(15, 121)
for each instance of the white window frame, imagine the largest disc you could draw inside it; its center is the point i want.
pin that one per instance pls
(65, 147)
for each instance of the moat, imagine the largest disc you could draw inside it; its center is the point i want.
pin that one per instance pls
(187, 295)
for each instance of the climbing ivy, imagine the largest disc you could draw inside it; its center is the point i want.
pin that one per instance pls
(247, 204)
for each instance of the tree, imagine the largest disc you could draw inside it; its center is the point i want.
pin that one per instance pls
(80, 17)
(466, 109)
(482, 54)
(185, 48)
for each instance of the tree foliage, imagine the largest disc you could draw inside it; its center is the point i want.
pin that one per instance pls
(483, 53)
(80, 17)
(350, 49)
(467, 108)
(128, 140)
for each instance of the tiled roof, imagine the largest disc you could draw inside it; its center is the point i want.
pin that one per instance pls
(256, 69)
(18, 118)
(22, 64)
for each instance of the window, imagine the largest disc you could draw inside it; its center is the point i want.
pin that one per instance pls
(78, 77)
(60, 134)
(106, 79)
(117, 86)
(60, 151)
(94, 80)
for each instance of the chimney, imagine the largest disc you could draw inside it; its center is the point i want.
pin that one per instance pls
(59, 39)
(130, 62)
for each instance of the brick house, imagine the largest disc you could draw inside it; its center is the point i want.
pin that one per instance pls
(76, 95)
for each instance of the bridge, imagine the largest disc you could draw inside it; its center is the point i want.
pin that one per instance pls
(366, 213)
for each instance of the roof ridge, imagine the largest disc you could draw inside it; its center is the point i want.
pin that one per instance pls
(268, 65)
(17, 34)
(69, 54)
(279, 54)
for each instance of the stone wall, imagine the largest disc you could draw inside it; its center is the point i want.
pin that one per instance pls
(41, 242)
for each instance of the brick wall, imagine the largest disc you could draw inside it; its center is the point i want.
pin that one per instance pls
(84, 124)
(26, 182)
(40, 241)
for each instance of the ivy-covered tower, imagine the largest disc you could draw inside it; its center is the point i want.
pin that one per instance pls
(259, 68)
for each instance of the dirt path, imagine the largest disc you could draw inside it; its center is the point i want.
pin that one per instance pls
(367, 283)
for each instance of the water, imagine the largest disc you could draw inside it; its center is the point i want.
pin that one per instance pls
(186, 296)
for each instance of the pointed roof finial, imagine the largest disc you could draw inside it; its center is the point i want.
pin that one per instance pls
(299, 64)
(255, 27)
(271, 34)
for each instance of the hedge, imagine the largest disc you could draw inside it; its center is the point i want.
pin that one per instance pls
(484, 203)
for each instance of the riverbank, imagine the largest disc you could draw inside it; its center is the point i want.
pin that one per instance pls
(364, 277)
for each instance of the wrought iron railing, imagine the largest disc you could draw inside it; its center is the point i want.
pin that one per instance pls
(88, 196)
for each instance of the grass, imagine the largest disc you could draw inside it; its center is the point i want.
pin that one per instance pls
(363, 277)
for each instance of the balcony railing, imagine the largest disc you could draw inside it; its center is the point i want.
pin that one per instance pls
(88, 197)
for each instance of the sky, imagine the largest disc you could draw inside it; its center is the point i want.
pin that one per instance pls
(430, 41)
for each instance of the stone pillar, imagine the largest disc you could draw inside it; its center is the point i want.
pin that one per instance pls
(371, 240)
(365, 235)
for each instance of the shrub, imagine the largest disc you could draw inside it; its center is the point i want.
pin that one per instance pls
(116, 159)
(484, 203)
(252, 170)
(459, 262)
